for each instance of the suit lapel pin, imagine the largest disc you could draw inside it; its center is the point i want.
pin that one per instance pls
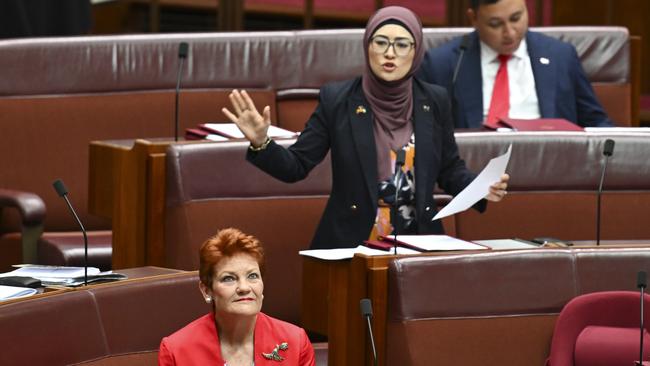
(544, 61)
(275, 354)
(426, 108)
(361, 109)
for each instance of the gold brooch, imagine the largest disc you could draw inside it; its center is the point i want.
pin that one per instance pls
(361, 109)
(275, 354)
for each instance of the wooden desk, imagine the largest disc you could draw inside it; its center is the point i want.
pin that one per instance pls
(338, 314)
(127, 185)
(332, 291)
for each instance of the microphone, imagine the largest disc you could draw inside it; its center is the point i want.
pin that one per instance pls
(182, 55)
(608, 150)
(464, 44)
(641, 283)
(62, 191)
(366, 312)
(400, 159)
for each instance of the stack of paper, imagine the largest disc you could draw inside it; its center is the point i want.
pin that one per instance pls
(63, 276)
(11, 292)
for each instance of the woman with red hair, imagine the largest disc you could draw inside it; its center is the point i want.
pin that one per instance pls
(235, 332)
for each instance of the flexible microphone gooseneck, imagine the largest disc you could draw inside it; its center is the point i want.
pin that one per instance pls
(464, 44)
(608, 150)
(182, 55)
(366, 312)
(400, 159)
(641, 283)
(62, 191)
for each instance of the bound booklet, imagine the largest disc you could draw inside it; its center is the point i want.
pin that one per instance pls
(425, 243)
(540, 124)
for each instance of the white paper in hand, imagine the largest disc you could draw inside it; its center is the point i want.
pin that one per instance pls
(479, 188)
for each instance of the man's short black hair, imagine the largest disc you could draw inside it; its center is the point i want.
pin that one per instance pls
(476, 3)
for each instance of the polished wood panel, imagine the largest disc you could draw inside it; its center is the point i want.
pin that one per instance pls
(126, 185)
(632, 14)
(347, 282)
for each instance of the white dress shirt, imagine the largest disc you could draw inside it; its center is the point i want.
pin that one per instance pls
(521, 81)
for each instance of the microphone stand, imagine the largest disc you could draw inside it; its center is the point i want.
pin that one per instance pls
(641, 284)
(464, 43)
(607, 151)
(63, 192)
(366, 312)
(399, 162)
(182, 54)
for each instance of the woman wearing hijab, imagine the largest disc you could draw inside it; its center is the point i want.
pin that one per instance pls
(363, 122)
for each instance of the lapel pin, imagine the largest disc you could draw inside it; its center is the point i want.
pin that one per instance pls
(275, 354)
(544, 61)
(426, 108)
(361, 109)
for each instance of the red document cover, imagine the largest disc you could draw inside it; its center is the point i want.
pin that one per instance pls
(540, 124)
(195, 134)
(378, 244)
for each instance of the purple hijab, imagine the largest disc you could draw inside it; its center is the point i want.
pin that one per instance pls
(391, 102)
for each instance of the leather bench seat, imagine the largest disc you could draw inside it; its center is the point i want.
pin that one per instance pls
(67, 249)
(120, 323)
(494, 308)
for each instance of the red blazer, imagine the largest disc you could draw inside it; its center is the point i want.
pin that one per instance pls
(198, 344)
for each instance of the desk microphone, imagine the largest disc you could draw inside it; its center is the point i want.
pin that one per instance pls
(641, 283)
(400, 159)
(366, 312)
(608, 150)
(464, 44)
(62, 191)
(182, 55)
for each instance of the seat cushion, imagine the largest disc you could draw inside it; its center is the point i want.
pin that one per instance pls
(67, 249)
(606, 346)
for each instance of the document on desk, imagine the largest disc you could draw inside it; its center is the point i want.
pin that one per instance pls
(12, 292)
(479, 188)
(348, 253)
(64, 276)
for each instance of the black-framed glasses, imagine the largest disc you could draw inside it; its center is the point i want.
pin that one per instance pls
(401, 46)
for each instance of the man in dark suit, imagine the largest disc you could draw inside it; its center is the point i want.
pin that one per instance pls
(543, 76)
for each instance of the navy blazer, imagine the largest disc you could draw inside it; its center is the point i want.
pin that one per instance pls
(342, 124)
(563, 89)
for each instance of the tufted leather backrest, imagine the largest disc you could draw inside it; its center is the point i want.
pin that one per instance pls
(501, 305)
(210, 186)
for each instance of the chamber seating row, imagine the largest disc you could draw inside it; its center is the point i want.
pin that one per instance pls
(495, 308)
(59, 94)
(113, 324)
(552, 193)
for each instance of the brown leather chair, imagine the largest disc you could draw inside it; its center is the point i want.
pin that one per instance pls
(120, 323)
(211, 186)
(554, 179)
(494, 308)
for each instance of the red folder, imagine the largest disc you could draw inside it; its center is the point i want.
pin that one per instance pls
(195, 134)
(540, 124)
(378, 244)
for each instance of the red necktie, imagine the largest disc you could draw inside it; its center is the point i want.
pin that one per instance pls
(500, 103)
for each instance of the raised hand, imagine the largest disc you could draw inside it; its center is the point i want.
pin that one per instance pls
(250, 122)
